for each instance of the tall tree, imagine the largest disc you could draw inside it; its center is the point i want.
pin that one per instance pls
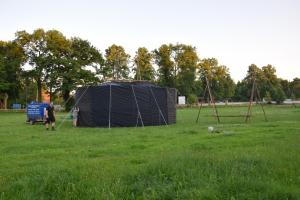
(11, 59)
(253, 73)
(186, 61)
(269, 73)
(295, 87)
(244, 87)
(143, 62)
(221, 83)
(267, 83)
(241, 92)
(78, 65)
(59, 63)
(116, 62)
(206, 68)
(286, 87)
(228, 84)
(58, 47)
(271, 83)
(35, 47)
(27, 88)
(166, 74)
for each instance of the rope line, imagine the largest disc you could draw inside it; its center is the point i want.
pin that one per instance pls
(137, 105)
(76, 103)
(158, 106)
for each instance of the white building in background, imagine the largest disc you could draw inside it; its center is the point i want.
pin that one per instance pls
(181, 100)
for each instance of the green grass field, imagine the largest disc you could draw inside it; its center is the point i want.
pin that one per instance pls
(258, 160)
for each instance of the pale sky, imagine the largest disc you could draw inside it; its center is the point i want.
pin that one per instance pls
(236, 32)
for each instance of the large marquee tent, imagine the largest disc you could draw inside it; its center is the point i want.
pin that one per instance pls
(125, 104)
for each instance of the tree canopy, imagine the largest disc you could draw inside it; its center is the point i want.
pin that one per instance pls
(116, 63)
(144, 69)
(11, 59)
(59, 65)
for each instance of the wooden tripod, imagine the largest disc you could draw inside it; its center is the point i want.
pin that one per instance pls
(211, 101)
(254, 94)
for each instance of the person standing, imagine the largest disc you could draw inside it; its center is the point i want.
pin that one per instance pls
(50, 117)
(75, 116)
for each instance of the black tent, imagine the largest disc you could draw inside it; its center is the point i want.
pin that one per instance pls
(124, 104)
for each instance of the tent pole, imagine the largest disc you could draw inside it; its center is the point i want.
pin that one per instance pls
(109, 106)
(137, 106)
(158, 106)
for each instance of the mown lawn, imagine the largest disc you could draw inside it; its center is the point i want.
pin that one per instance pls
(258, 160)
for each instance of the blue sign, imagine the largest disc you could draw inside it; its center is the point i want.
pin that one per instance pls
(35, 111)
(16, 106)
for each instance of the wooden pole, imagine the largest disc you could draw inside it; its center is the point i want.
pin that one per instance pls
(249, 112)
(262, 107)
(212, 100)
(201, 104)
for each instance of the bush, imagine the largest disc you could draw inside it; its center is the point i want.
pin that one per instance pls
(192, 99)
(278, 95)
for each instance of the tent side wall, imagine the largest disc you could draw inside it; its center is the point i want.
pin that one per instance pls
(100, 106)
(123, 106)
(84, 103)
(158, 102)
(171, 104)
(93, 106)
(146, 106)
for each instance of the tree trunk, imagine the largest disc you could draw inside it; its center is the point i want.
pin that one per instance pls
(5, 100)
(67, 102)
(39, 90)
(66, 95)
(50, 94)
(113, 72)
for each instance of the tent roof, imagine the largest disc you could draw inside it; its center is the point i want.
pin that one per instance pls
(129, 82)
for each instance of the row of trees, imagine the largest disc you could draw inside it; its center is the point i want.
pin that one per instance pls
(59, 65)
(270, 86)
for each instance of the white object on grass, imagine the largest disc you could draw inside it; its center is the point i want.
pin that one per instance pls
(210, 129)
